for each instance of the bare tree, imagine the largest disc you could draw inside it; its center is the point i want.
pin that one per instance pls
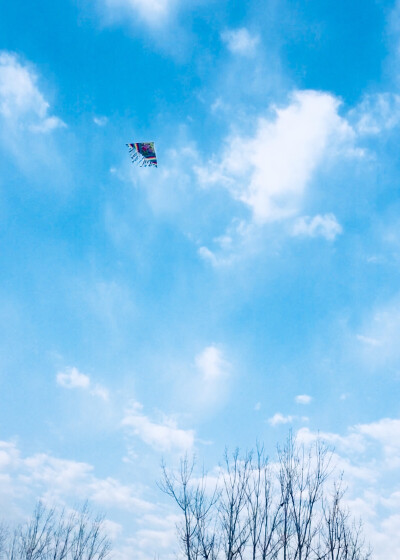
(178, 487)
(263, 511)
(342, 537)
(206, 529)
(88, 539)
(333, 538)
(3, 540)
(234, 523)
(259, 510)
(302, 475)
(197, 531)
(52, 535)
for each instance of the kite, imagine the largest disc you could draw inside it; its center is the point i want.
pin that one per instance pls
(143, 153)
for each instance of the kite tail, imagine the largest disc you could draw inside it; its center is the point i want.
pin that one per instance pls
(134, 155)
(147, 163)
(143, 162)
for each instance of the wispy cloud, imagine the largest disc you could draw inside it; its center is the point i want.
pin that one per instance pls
(279, 418)
(162, 436)
(378, 336)
(368, 340)
(72, 378)
(210, 380)
(240, 41)
(303, 399)
(387, 432)
(325, 226)
(22, 104)
(376, 113)
(203, 385)
(152, 12)
(100, 121)
(211, 364)
(26, 119)
(239, 236)
(158, 531)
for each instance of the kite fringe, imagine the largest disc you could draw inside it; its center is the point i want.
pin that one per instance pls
(139, 159)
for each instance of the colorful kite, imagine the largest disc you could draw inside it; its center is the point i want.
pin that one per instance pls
(143, 153)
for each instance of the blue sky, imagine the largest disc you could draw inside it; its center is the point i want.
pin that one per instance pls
(248, 285)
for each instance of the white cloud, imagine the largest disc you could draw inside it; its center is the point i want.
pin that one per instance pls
(270, 170)
(211, 364)
(58, 480)
(110, 492)
(240, 41)
(207, 255)
(303, 399)
(369, 456)
(159, 532)
(152, 12)
(164, 436)
(204, 385)
(100, 121)
(239, 234)
(376, 113)
(72, 378)
(387, 433)
(385, 537)
(22, 105)
(26, 120)
(325, 226)
(384, 434)
(63, 478)
(380, 330)
(60, 476)
(101, 392)
(63, 482)
(368, 341)
(145, 538)
(352, 442)
(9, 454)
(112, 529)
(240, 238)
(279, 418)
